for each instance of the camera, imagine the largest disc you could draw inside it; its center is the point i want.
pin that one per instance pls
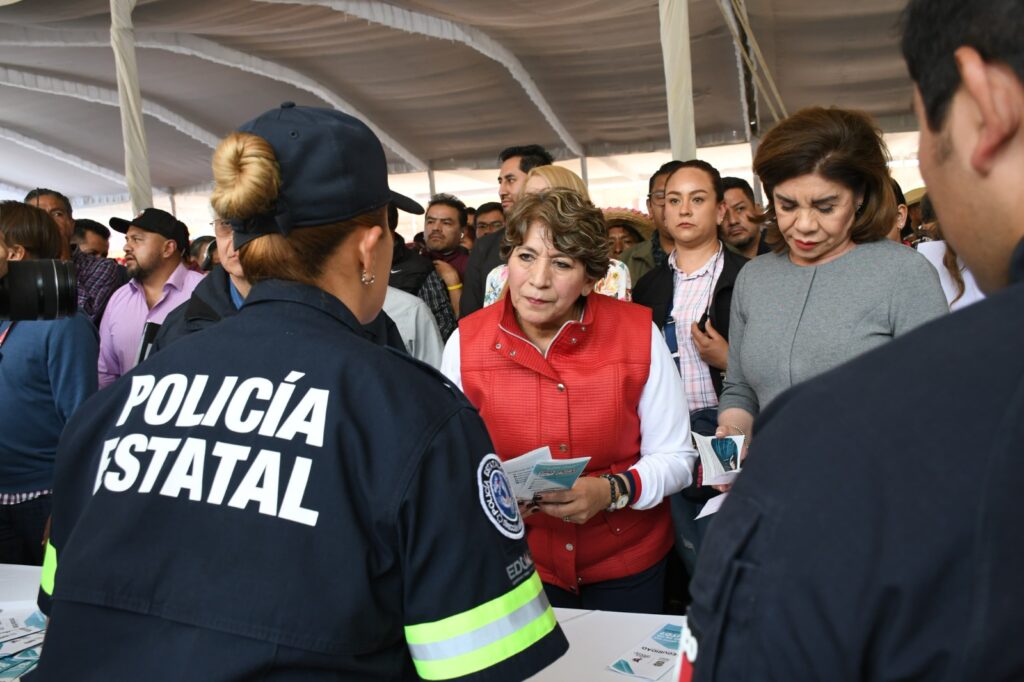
(38, 290)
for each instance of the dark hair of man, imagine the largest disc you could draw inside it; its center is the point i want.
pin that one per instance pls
(83, 225)
(716, 177)
(452, 201)
(530, 156)
(488, 207)
(927, 210)
(667, 168)
(42, 192)
(729, 183)
(934, 29)
(30, 228)
(840, 145)
(901, 200)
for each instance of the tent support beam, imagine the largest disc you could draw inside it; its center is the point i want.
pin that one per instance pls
(675, 51)
(136, 150)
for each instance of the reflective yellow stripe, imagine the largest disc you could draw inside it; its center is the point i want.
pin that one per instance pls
(483, 636)
(467, 621)
(490, 654)
(49, 569)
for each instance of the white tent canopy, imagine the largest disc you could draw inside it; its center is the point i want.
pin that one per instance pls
(445, 83)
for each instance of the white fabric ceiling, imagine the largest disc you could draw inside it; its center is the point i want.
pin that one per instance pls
(574, 75)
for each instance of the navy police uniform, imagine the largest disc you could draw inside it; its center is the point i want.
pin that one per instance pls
(861, 546)
(300, 504)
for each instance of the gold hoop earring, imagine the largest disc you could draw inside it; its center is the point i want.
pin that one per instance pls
(367, 279)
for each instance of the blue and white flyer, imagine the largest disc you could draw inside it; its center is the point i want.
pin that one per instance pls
(653, 657)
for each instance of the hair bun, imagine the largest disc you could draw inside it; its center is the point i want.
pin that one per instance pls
(246, 176)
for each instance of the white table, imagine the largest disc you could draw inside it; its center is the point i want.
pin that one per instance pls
(596, 638)
(19, 583)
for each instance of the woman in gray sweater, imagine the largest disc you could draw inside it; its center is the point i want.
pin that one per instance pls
(833, 287)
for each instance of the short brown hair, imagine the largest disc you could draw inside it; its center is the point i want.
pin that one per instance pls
(840, 145)
(576, 227)
(30, 228)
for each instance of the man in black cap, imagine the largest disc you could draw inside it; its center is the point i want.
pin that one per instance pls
(154, 243)
(859, 546)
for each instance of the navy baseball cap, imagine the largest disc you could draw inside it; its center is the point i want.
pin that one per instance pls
(158, 221)
(332, 168)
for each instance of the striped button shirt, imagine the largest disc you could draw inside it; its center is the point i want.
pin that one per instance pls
(691, 298)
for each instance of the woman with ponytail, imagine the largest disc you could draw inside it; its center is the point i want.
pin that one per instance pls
(300, 502)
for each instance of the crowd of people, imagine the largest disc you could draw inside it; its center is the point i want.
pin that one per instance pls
(304, 410)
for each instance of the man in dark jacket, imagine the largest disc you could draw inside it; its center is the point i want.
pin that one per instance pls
(219, 295)
(859, 546)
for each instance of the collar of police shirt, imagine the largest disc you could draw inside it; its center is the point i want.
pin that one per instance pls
(274, 290)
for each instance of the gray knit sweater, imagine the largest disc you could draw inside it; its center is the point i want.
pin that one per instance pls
(790, 323)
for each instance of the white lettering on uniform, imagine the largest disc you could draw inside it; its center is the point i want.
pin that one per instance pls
(188, 415)
(187, 471)
(280, 401)
(161, 447)
(219, 401)
(173, 388)
(142, 386)
(291, 505)
(230, 455)
(129, 465)
(108, 446)
(308, 417)
(233, 417)
(260, 483)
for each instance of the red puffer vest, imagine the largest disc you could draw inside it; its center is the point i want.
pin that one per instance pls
(579, 400)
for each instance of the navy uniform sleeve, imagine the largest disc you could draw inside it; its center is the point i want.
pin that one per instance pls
(474, 606)
(784, 577)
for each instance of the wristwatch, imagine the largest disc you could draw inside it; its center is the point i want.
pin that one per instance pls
(620, 493)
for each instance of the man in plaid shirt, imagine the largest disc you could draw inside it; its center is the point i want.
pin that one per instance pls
(97, 278)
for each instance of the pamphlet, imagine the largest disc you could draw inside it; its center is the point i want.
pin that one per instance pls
(537, 472)
(720, 458)
(22, 629)
(653, 657)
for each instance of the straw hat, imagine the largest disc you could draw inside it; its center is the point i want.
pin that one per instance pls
(638, 220)
(915, 195)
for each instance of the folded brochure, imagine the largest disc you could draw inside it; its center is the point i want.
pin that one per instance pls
(537, 472)
(653, 657)
(719, 457)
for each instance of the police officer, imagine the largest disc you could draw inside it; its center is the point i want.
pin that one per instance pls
(278, 497)
(858, 545)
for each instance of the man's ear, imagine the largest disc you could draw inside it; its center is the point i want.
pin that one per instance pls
(996, 93)
(16, 252)
(170, 248)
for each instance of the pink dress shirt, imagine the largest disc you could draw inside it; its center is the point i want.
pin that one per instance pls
(126, 315)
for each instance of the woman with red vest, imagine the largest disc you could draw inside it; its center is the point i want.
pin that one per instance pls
(585, 375)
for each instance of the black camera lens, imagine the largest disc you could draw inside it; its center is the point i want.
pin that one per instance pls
(38, 290)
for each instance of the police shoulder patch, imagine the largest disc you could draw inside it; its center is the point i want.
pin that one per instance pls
(496, 498)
